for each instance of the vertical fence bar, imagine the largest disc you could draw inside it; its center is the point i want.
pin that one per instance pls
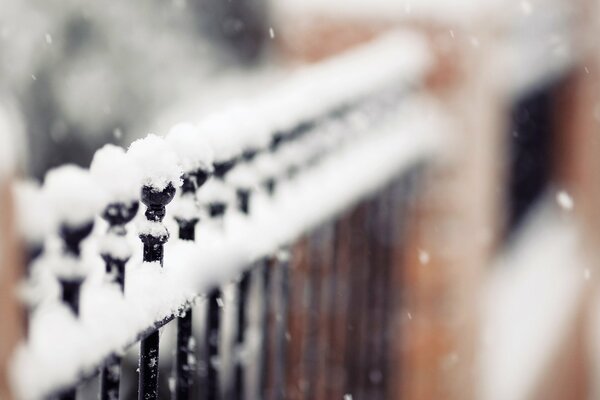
(184, 348)
(374, 374)
(324, 274)
(277, 382)
(243, 197)
(217, 208)
(156, 202)
(68, 188)
(405, 195)
(148, 368)
(367, 294)
(336, 371)
(267, 322)
(358, 260)
(118, 176)
(71, 286)
(310, 308)
(315, 353)
(212, 344)
(295, 333)
(117, 215)
(242, 324)
(396, 204)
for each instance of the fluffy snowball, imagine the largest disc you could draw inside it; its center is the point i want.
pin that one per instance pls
(185, 207)
(191, 147)
(158, 162)
(215, 191)
(243, 177)
(117, 174)
(73, 195)
(223, 133)
(266, 166)
(252, 129)
(115, 245)
(34, 219)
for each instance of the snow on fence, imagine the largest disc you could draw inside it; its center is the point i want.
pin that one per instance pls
(219, 197)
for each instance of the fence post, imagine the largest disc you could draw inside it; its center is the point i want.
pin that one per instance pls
(160, 172)
(117, 215)
(282, 290)
(265, 366)
(242, 180)
(119, 177)
(217, 201)
(242, 321)
(186, 143)
(153, 252)
(76, 199)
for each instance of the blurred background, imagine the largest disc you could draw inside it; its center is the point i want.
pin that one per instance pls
(499, 295)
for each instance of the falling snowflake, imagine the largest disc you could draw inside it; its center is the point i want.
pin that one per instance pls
(424, 257)
(564, 200)
(526, 7)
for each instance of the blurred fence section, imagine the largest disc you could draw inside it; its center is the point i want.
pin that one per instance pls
(297, 199)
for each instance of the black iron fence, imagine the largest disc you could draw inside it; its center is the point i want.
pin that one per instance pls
(304, 216)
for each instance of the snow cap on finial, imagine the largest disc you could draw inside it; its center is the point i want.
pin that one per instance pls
(117, 174)
(222, 131)
(192, 148)
(34, 220)
(158, 162)
(74, 195)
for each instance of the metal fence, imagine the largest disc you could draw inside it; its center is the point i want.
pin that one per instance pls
(300, 207)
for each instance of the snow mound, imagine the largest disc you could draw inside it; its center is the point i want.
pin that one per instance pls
(158, 162)
(74, 196)
(117, 174)
(222, 130)
(191, 147)
(34, 220)
(215, 191)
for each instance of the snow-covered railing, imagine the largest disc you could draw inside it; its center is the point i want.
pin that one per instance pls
(238, 187)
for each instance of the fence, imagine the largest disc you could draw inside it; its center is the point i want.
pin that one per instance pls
(279, 199)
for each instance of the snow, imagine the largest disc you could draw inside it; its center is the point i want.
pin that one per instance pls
(215, 191)
(110, 322)
(117, 173)
(61, 347)
(530, 301)
(222, 130)
(242, 176)
(449, 11)
(564, 200)
(329, 84)
(191, 147)
(185, 207)
(265, 166)
(158, 162)
(65, 266)
(114, 245)
(397, 58)
(34, 221)
(152, 228)
(73, 195)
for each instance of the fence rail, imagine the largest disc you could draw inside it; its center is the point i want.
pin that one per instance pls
(273, 171)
